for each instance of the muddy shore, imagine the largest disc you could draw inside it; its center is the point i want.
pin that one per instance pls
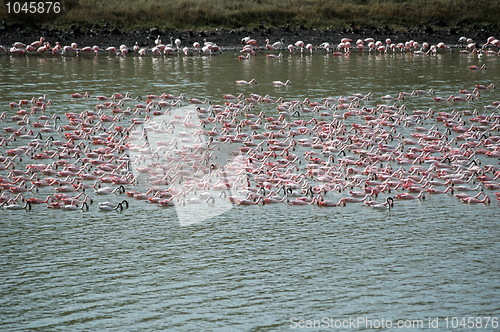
(105, 36)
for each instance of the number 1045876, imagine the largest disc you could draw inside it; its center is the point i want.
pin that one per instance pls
(471, 322)
(33, 7)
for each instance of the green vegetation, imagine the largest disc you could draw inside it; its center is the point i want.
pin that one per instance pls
(202, 14)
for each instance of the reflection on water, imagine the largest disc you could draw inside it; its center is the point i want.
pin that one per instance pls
(254, 267)
(314, 76)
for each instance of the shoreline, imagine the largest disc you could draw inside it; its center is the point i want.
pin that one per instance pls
(230, 39)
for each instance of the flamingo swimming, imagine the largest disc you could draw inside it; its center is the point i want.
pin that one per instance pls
(15, 206)
(388, 204)
(243, 82)
(474, 67)
(278, 83)
(107, 206)
(335, 145)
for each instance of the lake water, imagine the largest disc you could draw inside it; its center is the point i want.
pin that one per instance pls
(251, 268)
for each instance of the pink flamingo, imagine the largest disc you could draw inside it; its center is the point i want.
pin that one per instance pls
(302, 201)
(80, 95)
(407, 196)
(473, 200)
(253, 42)
(19, 45)
(320, 201)
(474, 67)
(269, 47)
(300, 44)
(247, 201)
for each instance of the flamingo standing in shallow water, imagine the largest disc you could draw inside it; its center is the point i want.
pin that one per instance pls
(253, 42)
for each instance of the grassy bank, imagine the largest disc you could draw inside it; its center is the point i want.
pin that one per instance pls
(203, 14)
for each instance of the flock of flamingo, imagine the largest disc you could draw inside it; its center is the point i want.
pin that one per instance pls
(251, 47)
(251, 149)
(247, 150)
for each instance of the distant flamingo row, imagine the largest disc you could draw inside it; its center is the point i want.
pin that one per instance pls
(248, 150)
(346, 45)
(251, 47)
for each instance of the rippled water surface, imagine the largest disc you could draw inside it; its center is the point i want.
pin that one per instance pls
(254, 268)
